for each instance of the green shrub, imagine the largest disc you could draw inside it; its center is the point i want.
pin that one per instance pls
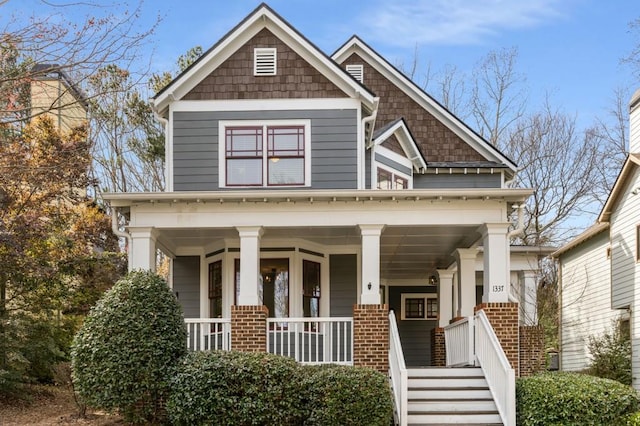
(234, 388)
(611, 355)
(123, 354)
(347, 396)
(631, 420)
(572, 399)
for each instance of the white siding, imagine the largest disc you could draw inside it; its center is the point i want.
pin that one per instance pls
(624, 220)
(634, 130)
(586, 294)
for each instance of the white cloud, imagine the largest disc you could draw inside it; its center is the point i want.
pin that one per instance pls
(403, 22)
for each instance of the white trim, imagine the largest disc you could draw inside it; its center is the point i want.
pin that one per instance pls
(223, 124)
(362, 170)
(407, 143)
(265, 105)
(424, 296)
(391, 155)
(355, 45)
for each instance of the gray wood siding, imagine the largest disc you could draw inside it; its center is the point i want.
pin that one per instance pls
(586, 292)
(393, 164)
(343, 276)
(624, 220)
(186, 284)
(415, 336)
(367, 170)
(456, 181)
(333, 146)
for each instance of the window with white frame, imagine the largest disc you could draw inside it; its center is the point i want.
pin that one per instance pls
(266, 154)
(388, 179)
(419, 306)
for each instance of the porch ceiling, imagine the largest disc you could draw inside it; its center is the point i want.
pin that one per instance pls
(407, 252)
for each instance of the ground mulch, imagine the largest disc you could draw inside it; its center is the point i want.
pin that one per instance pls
(50, 405)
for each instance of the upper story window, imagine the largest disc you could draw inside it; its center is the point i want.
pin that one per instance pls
(264, 61)
(391, 180)
(267, 154)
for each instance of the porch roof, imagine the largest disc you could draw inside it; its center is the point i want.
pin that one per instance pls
(279, 196)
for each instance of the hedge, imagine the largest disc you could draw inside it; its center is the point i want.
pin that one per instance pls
(573, 399)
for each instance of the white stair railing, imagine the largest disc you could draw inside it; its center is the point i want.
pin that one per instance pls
(312, 340)
(496, 368)
(208, 334)
(398, 372)
(459, 343)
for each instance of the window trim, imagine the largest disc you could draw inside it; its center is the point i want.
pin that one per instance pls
(425, 297)
(223, 125)
(394, 173)
(393, 156)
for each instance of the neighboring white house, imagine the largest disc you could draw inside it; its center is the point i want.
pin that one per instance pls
(600, 269)
(324, 191)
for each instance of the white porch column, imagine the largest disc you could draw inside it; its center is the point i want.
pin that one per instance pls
(143, 249)
(496, 262)
(445, 297)
(528, 300)
(370, 264)
(249, 264)
(466, 259)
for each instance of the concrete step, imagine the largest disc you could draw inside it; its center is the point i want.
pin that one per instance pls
(471, 418)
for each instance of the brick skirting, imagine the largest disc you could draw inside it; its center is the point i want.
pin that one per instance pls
(503, 317)
(371, 337)
(249, 328)
(438, 350)
(532, 354)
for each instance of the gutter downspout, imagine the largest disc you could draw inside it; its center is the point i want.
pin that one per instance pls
(121, 234)
(370, 120)
(516, 233)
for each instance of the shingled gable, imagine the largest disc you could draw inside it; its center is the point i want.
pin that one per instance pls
(463, 145)
(261, 19)
(398, 129)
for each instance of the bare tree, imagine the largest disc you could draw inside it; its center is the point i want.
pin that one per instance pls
(108, 34)
(558, 162)
(499, 97)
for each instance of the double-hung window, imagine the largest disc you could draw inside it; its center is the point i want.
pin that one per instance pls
(269, 154)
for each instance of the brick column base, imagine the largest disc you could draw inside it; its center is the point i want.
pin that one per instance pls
(371, 337)
(503, 317)
(438, 350)
(532, 355)
(249, 328)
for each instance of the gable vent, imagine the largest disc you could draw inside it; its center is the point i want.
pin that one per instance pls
(356, 72)
(264, 61)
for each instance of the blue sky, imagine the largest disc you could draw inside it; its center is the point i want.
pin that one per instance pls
(568, 48)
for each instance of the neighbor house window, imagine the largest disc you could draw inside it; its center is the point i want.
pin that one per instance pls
(266, 155)
(310, 288)
(390, 180)
(419, 306)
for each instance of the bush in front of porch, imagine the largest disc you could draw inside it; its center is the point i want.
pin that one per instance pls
(235, 388)
(123, 354)
(573, 399)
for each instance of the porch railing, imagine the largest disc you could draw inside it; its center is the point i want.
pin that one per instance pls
(312, 340)
(205, 334)
(459, 343)
(496, 368)
(397, 372)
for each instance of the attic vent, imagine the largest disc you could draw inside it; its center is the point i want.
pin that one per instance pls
(356, 72)
(264, 61)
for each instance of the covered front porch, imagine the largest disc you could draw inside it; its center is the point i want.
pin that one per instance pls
(309, 257)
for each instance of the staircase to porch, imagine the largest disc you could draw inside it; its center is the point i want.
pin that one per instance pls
(450, 396)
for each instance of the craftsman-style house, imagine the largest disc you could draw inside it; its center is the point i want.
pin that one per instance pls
(326, 208)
